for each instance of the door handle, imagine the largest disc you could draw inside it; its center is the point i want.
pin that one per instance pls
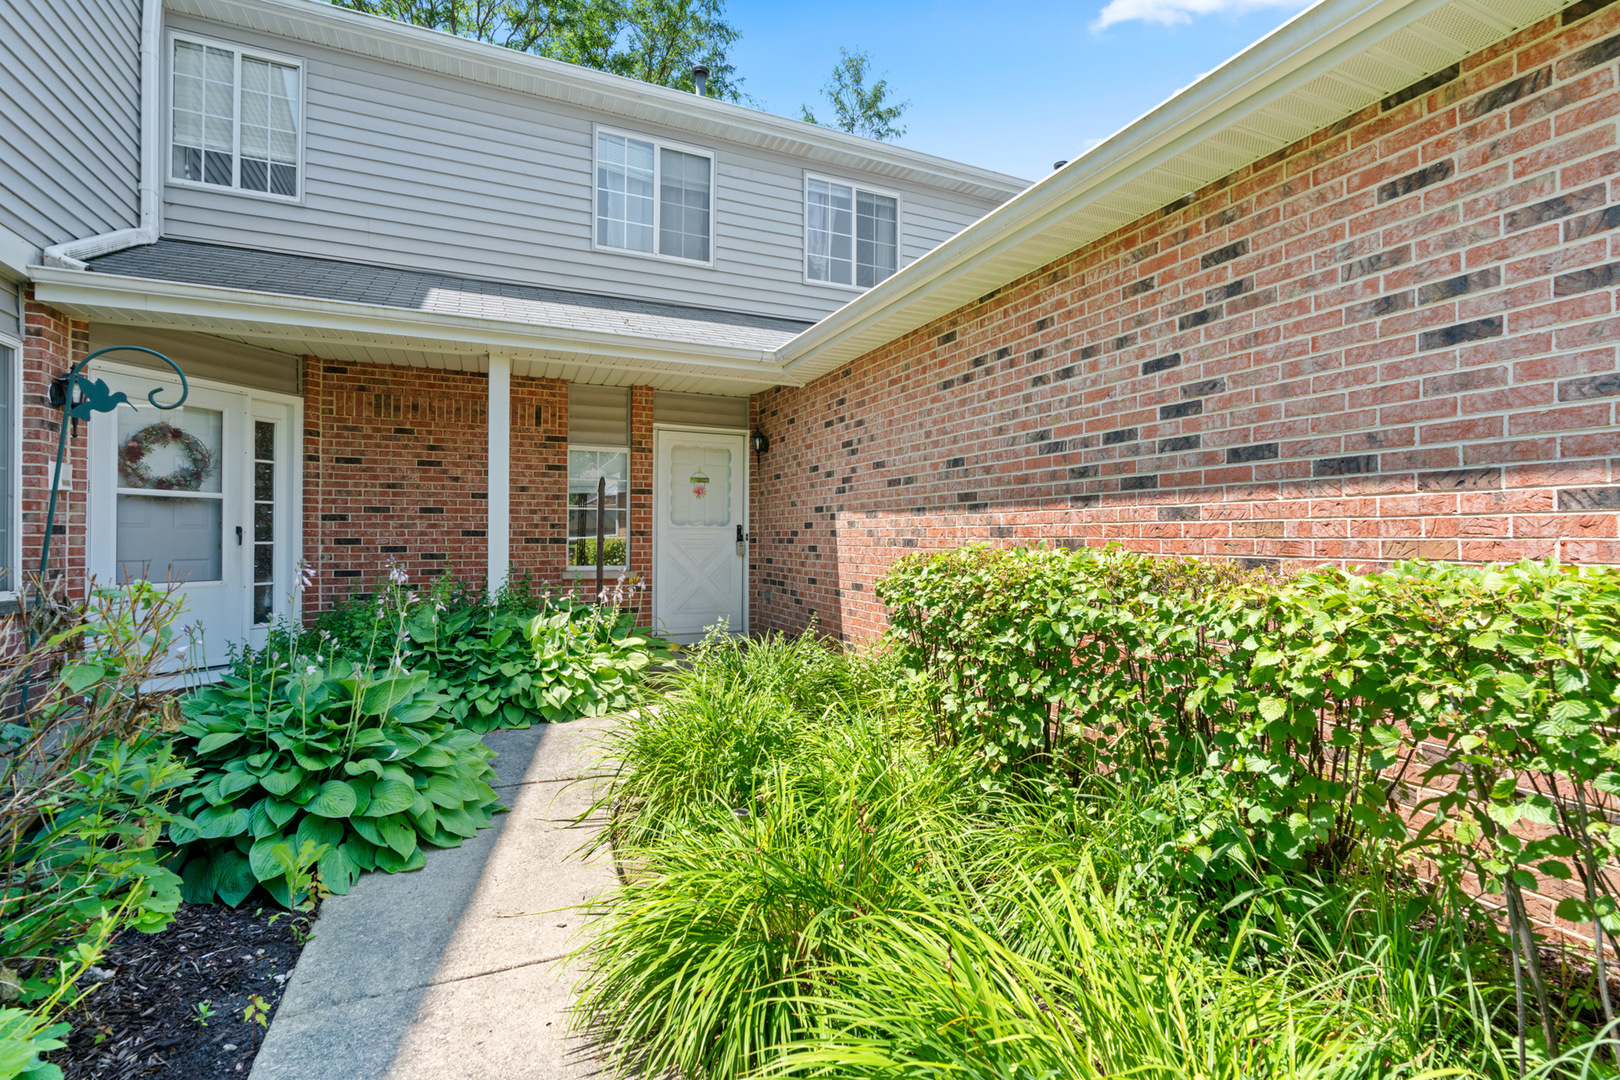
(742, 542)
(239, 536)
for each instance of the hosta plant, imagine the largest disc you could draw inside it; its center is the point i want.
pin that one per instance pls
(503, 668)
(503, 661)
(337, 765)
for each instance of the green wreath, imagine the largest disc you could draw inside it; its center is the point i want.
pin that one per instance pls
(132, 470)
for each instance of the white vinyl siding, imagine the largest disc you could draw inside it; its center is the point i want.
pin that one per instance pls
(851, 234)
(653, 199)
(387, 180)
(234, 119)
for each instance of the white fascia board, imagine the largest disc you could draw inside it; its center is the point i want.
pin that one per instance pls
(434, 50)
(1302, 49)
(224, 309)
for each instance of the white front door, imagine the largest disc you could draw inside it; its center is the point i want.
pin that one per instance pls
(700, 524)
(198, 498)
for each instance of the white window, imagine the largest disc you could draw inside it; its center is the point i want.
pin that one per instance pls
(235, 119)
(653, 198)
(851, 234)
(590, 470)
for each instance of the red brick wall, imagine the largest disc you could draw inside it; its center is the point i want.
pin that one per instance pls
(52, 343)
(539, 508)
(395, 472)
(1394, 339)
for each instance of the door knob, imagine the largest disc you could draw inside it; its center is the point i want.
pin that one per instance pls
(239, 536)
(742, 542)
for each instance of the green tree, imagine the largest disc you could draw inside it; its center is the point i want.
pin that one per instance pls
(858, 108)
(656, 41)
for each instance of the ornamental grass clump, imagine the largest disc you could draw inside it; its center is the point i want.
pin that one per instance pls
(824, 875)
(754, 861)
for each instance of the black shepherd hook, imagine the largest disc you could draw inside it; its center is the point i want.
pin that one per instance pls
(95, 396)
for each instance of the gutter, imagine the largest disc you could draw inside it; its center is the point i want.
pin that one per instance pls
(73, 254)
(362, 324)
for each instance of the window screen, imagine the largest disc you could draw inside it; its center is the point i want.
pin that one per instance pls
(235, 120)
(653, 198)
(851, 236)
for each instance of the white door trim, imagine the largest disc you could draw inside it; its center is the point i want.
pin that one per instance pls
(658, 510)
(101, 512)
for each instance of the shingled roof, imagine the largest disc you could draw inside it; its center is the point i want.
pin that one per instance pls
(443, 294)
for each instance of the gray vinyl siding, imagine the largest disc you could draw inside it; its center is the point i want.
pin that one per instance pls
(598, 415)
(412, 169)
(700, 410)
(202, 356)
(10, 309)
(70, 86)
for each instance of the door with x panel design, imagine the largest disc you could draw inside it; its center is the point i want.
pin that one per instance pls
(700, 527)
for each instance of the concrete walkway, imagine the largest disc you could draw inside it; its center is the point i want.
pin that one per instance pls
(450, 972)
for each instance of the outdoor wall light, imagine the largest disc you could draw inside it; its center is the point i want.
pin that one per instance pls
(759, 442)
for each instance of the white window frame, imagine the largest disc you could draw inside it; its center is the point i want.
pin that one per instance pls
(859, 187)
(572, 568)
(597, 130)
(236, 117)
(14, 557)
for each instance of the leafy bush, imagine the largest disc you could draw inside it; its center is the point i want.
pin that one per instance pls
(502, 669)
(1304, 713)
(85, 780)
(337, 765)
(501, 662)
(24, 1037)
(583, 552)
(813, 886)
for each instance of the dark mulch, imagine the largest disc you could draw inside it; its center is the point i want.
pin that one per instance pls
(144, 1020)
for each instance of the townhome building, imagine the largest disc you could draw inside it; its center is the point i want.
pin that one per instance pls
(1349, 298)
(427, 293)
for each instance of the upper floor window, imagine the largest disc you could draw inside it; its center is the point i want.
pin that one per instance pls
(235, 119)
(653, 198)
(851, 235)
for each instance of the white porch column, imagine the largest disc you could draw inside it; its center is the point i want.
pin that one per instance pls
(498, 534)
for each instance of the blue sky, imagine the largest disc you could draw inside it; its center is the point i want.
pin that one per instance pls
(1009, 86)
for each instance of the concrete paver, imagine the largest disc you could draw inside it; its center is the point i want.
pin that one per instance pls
(453, 971)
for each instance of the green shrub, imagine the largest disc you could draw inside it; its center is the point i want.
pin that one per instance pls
(337, 765)
(583, 552)
(816, 887)
(501, 669)
(1300, 715)
(24, 1037)
(85, 782)
(501, 662)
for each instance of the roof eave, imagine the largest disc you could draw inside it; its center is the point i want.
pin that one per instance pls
(120, 298)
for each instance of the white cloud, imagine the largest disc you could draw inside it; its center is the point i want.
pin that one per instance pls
(1176, 12)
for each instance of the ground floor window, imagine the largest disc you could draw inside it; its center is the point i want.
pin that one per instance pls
(588, 468)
